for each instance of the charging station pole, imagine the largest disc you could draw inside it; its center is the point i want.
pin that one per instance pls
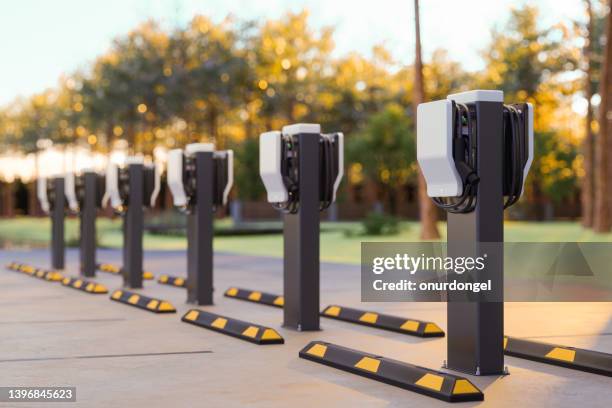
(58, 245)
(476, 329)
(301, 242)
(88, 225)
(133, 224)
(200, 234)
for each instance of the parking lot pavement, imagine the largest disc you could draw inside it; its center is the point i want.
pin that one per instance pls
(115, 354)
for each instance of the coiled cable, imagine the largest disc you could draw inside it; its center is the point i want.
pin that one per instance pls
(465, 162)
(290, 172)
(515, 166)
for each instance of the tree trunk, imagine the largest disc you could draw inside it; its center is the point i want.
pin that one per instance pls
(601, 219)
(427, 210)
(587, 146)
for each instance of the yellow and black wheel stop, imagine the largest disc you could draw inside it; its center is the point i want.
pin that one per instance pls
(85, 285)
(116, 270)
(15, 266)
(110, 268)
(436, 384)
(172, 281)
(18, 267)
(28, 269)
(256, 297)
(253, 333)
(53, 276)
(382, 321)
(142, 302)
(570, 357)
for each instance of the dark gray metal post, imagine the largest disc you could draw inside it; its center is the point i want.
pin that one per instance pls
(58, 246)
(133, 229)
(200, 234)
(476, 328)
(301, 243)
(88, 225)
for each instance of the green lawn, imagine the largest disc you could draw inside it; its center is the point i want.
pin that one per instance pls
(336, 245)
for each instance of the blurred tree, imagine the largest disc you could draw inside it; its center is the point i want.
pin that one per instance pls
(442, 76)
(291, 60)
(227, 82)
(125, 94)
(555, 172)
(357, 88)
(530, 64)
(249, 185)
(211, 69)
(386, 150)
(427, 209)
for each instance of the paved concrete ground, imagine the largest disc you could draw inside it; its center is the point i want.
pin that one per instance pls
(117, 355)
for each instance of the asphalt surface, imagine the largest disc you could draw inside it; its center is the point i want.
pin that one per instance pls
(118, 355)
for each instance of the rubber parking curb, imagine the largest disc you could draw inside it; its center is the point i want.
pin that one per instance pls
(116, 270)
(172, 281)
(255, 296)
(250, 332)
(85, 285)
(142, 302)
(44, 274)
(397, 324)
(570, 357)
(436, 384)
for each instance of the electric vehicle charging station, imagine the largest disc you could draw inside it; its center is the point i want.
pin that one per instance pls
(474, 151)
(85, 193)
(200, 180)
(130, 189)
(301, 169)
(52, 200)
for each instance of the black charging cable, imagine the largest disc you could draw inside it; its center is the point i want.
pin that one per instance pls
(465, 163)
(327, 170)
(515, 166)
(289, 161)
(289, 171)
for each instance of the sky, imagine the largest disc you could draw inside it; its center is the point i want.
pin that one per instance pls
(41, 40)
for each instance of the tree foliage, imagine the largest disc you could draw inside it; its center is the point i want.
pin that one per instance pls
(228, 81)
(538, 65)
(386, 151)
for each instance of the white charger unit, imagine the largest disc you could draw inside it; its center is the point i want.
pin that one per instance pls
(112, 195)
(270, 166)
(41, 192)
(176, 170)
(175, 178)
(435, 149)
(70, 192)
